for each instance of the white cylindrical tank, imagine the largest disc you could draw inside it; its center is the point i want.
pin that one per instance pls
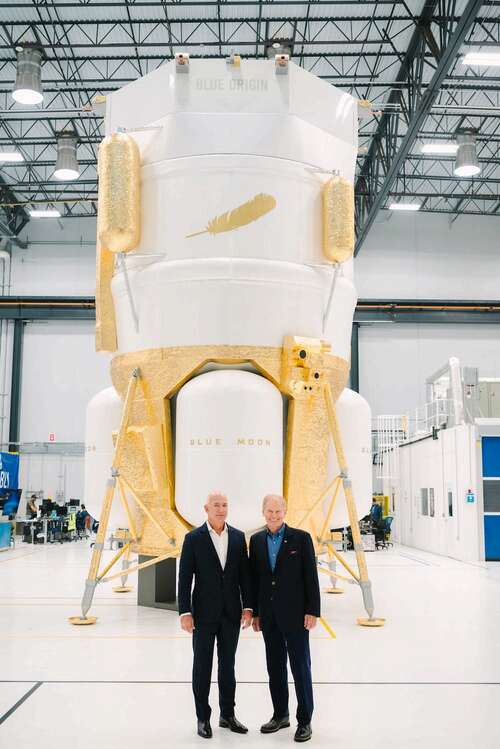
(339, 316)
(354, 418)
(182, 196)
(220, 301)
(228, 438)
(102, 419)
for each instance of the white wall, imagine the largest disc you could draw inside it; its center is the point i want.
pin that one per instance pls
(396, 359)
(51, 474)
(61, 372)
(62, 265)
(423, 256)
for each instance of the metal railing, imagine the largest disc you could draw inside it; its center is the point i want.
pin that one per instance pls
(391, 431)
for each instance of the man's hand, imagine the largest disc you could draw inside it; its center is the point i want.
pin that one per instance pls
(187, 623)
(309, 621)
(246, 618)
(256, 624)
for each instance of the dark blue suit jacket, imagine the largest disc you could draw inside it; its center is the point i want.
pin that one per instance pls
(292, 590)
(216, 590)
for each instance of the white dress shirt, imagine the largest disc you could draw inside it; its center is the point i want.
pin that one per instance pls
(220, 541)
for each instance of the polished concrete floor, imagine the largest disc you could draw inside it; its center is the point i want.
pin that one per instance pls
(430, 678)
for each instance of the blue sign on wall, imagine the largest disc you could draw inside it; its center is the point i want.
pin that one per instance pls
(9, 471)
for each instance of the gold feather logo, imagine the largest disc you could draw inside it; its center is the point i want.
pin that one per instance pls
(241, 216)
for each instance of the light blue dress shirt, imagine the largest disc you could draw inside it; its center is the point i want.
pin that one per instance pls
(274, 541)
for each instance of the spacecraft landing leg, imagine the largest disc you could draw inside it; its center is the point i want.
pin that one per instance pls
(124, 588)
(362, 579)
(94, 576)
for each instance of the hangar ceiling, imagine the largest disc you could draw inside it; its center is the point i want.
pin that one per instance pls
(404, 60)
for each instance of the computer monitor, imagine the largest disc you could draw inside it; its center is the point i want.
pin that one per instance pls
(46, 507)
(74, 503)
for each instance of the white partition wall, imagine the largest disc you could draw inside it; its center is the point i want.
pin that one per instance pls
(437, 501)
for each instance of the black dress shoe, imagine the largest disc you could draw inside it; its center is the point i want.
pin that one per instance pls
(303, 733)
(275, 724)
(233, 724)
(204, 729)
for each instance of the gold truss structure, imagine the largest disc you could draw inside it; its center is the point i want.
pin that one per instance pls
(142, 471)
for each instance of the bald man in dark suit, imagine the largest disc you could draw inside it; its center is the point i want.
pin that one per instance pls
(215, 556)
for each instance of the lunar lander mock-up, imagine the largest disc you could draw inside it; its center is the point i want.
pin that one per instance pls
(225, 293)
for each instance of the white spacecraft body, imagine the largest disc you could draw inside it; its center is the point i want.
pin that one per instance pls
(244, 460)
(211, 140)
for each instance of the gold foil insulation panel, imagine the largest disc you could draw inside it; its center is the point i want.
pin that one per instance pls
(118, 224)
(119, 207)
(147, 462)
(105, 328)
(306, 463)
(338, 220)
(306, 367)
(165, 370)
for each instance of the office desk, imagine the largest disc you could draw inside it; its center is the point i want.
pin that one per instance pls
(33, 521)
(50, 526)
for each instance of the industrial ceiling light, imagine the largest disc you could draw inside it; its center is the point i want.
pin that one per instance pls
(466, 162)
(67, 163)
(440, 147)
(44, 213)
(28, 85)
(404, 206)
(11, 156)
(490, 58)
(278, 46)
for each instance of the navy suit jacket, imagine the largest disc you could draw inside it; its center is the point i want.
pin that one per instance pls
(216, 590)
(292, 590)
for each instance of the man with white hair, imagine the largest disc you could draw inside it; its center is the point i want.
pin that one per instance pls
(286, 605)
(215, 555)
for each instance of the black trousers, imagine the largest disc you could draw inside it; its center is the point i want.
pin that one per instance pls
(296, 645)
(226, 632)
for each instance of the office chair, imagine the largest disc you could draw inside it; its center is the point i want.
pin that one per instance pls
(382, 533)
